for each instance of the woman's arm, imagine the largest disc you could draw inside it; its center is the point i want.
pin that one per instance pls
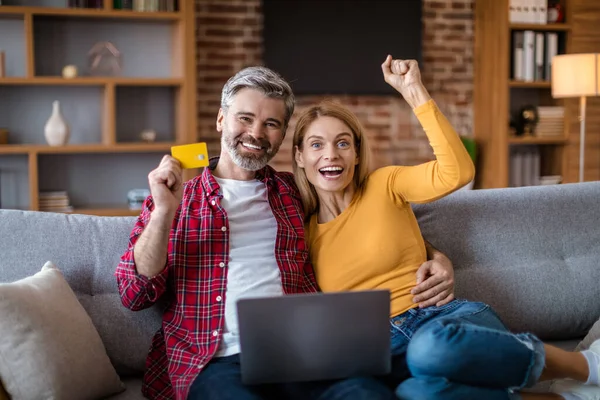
(453, 167)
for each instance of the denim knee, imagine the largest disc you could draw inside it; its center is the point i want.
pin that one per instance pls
(431, 351)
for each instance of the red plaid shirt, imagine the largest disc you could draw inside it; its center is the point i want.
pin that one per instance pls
(196, 273)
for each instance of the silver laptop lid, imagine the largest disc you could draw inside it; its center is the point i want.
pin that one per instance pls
(309, 337)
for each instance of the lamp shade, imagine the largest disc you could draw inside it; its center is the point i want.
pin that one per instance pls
(575, 75)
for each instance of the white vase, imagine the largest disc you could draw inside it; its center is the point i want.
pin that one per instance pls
(56, 129)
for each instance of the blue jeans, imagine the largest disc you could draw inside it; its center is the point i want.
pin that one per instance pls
(461, 351)
(221, 379)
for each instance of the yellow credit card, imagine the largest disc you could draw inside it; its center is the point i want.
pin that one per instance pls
(191, 155)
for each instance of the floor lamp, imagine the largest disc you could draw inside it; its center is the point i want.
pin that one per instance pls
(577, 75)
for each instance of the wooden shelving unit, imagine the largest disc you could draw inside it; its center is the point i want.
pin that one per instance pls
(496, 95)
(106, 113)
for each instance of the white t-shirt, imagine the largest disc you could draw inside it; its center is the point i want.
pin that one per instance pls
(252, 269)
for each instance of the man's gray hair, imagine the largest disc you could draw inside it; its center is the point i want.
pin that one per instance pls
(263, 79)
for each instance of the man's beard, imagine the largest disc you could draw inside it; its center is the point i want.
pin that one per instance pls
(248, 161)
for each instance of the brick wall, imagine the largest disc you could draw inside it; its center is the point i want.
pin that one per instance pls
(229, 37)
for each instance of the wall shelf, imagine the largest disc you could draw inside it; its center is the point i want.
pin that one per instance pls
(86, 148)
(536, 140)
(104, 157)
(113, 211)
(540, 27)
(92, 81)
(90, 13)
(531, 85)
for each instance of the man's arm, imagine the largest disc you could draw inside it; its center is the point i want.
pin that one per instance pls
(141, 289)
(435, 279)
(142, 272)
(150, 251)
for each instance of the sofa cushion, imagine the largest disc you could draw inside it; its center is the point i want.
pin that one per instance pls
(87, 249)
(531, 253)
(49, 347)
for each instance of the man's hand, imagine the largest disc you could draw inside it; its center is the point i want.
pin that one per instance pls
(435, 282)
(166, 186)
(405, 77)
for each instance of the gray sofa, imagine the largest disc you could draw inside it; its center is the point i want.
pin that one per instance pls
(532, 253)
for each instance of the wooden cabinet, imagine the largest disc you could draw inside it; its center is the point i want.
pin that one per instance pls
(105, 156)
(498, 96)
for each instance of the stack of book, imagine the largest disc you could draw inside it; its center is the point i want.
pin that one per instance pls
(551, 122)
(524, 166)
(145, 5)
(55, 202)
(532, 54)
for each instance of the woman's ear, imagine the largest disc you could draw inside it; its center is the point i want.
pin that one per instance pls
(298, 157)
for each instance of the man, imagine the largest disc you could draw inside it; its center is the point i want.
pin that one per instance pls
(234, 231)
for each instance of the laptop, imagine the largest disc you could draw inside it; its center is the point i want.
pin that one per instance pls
(310, 337)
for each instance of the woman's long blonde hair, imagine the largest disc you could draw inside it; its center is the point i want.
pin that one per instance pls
(328, 108)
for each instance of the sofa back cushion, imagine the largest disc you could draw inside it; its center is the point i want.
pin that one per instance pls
(87, 250)
(532, 253)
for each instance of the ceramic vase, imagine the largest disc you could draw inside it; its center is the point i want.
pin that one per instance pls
(56, 129)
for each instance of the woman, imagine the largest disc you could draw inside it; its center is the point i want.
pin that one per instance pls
(363, 235)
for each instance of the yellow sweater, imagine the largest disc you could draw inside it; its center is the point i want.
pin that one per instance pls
(376, 242)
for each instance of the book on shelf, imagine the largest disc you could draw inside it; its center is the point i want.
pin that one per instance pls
(528, 11)
(54, 201)
(532, 54)
(524, 166)
(145, 5)
(551, 121)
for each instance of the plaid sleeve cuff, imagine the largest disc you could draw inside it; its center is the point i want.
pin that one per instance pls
(154, 286)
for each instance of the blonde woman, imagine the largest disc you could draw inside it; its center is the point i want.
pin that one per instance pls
(363, 235)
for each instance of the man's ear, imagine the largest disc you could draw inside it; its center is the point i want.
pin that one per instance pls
(298, 157)
(220, 117)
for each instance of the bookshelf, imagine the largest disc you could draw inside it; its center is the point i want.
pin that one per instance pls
(500, 91)
(104, 157)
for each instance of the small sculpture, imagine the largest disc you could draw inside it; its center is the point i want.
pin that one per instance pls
(148, 135)
(104, 59)
(69, 71)
(136, 197)
(526, 120)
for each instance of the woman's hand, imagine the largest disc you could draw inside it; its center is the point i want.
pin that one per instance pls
(435, 282)
(405, 77)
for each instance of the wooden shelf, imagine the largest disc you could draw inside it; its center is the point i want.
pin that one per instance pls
(156, 90)
(85, 148)
(530, 85)
(91, 81)
(540, 27)
(107, 211)
(536, 140)
(88, 13)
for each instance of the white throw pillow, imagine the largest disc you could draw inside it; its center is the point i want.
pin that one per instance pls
(50, 348)
(593, 334)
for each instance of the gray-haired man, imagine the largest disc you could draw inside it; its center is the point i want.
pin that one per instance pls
(226, 234)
